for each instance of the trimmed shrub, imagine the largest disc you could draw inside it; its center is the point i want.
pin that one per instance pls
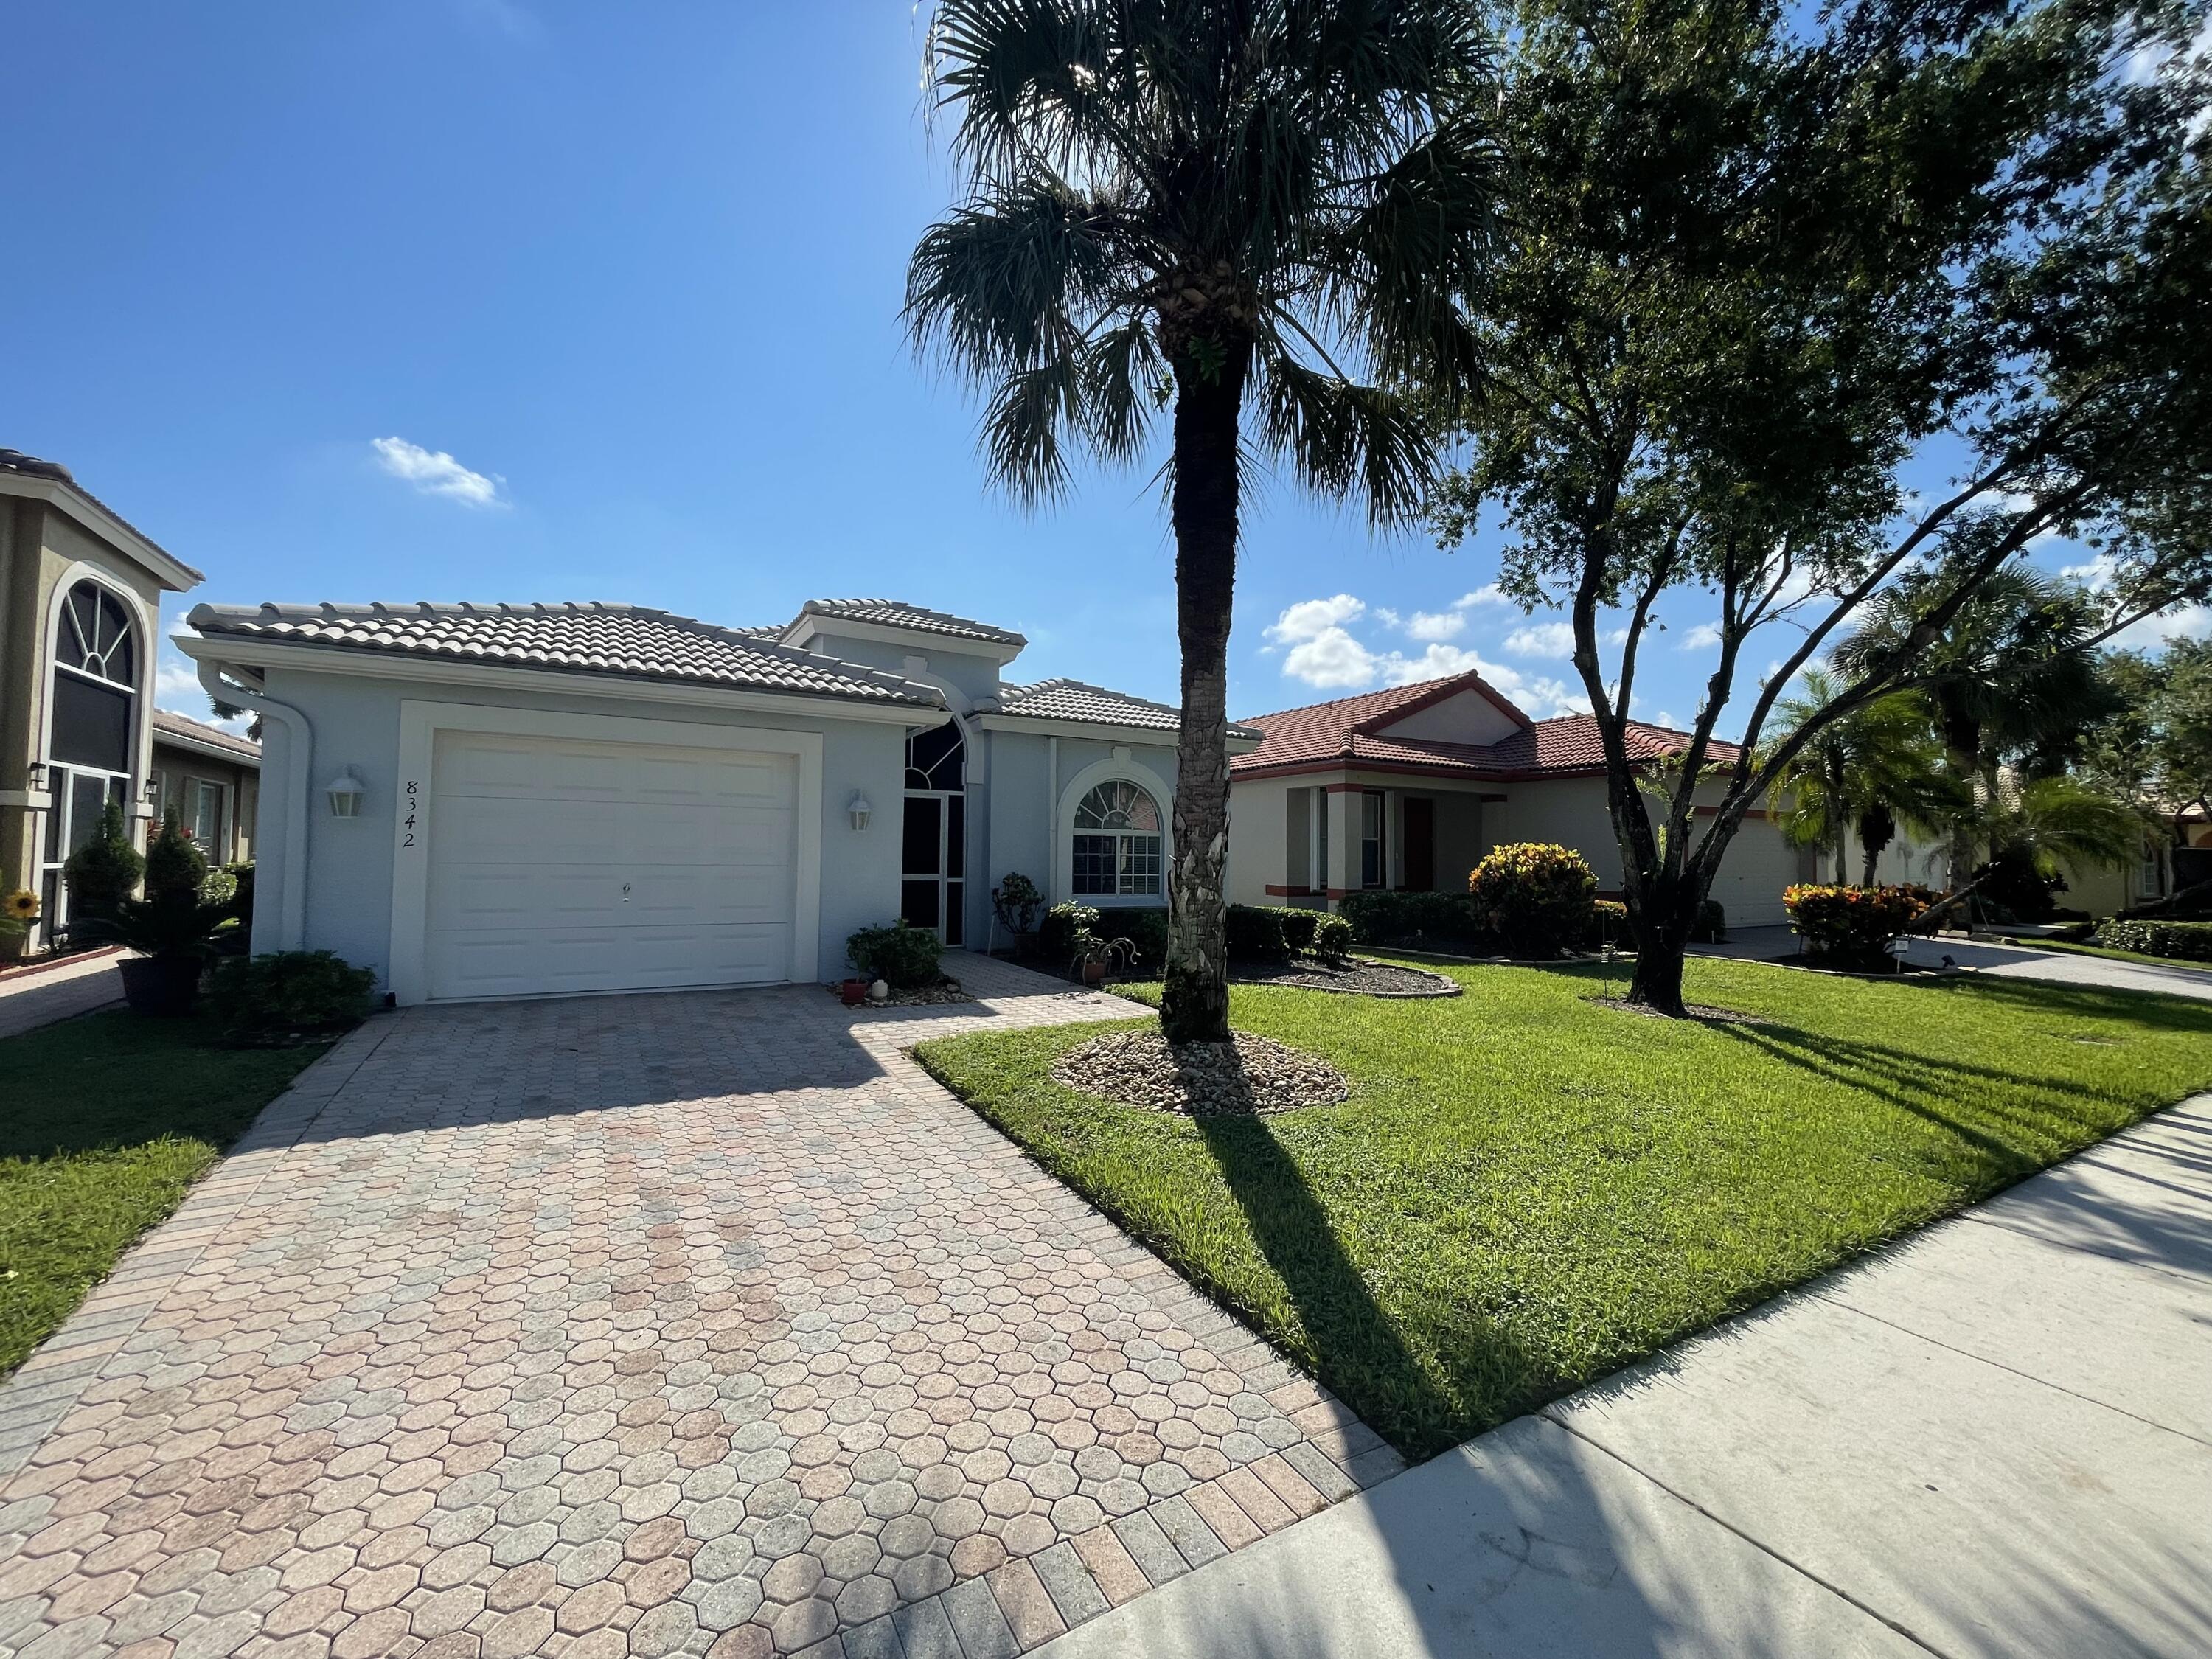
(1853, 923)
(1298, 928)
(903, 956)
(2185, 941)
(175, 865)
(1058, 932)
(1332, 937)
(1147, 930)
(1015, 902)
(1256, 934)
(104, 871)
(1418, 920)
(1539, 898)
(285, 992)
(1712, 926)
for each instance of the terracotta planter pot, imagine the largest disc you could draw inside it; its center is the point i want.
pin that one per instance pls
(851, 992)
(1094, 973)
(165, 986)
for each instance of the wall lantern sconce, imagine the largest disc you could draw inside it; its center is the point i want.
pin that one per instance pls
(153, 788)
(345, 791)
(860, 809)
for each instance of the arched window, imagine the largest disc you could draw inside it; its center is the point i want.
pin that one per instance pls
(92, 727)
(1117, 841)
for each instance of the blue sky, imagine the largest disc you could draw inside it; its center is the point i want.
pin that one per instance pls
(617, 288)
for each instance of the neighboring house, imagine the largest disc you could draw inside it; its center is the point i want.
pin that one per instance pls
(1407, 788)
(80, 603)
(499, 801)
(213, 778)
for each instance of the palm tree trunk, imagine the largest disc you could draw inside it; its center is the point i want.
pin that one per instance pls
(1195, 1002)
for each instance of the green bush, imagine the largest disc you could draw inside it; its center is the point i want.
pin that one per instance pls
(1015, 902)
(1852, 924)
(1539, 898)
(241, 898)
(2186, 941)
(1147, 930)
(1255, 933)
(1063, 925)
(104, 871)
(902, 955)
(173, 863)
(1332, 937)
(1712, 926)
(1299, 929)
(1423, 921)
(283, 992)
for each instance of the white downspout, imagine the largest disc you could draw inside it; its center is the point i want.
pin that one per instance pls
(299, 755)
(1052, 893)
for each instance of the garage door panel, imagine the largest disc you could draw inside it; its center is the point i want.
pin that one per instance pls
(1756, 865)
(560, 866)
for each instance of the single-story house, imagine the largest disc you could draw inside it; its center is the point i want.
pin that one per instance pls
(213, 778)
(79, 605)
(1409, 787)
(516, 799)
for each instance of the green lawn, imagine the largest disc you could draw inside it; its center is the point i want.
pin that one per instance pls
(108, 1120)
(1527, 1191)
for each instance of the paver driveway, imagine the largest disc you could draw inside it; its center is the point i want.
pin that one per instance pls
(678, 1324)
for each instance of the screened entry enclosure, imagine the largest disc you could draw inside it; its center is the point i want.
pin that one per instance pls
(91, 731)
(933, 868)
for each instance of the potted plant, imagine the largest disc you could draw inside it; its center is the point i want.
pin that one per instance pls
(853, 992)
(176, 935)
(1094, 956)
(1015, 902)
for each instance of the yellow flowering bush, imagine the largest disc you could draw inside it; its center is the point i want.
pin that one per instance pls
(1539, 898)
(1853, 923)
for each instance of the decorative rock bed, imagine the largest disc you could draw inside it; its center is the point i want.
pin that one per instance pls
(1354, 976)
(1248, 1075)
(948, 990)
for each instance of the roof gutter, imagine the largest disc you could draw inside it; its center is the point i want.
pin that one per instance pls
(299, 757)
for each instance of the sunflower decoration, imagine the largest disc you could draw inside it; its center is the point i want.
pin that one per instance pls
(18, 910)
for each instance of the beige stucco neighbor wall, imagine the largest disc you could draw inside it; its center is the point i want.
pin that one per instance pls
(40, 549)
(1257, 836)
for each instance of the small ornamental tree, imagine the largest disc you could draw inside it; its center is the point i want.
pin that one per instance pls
(104, 871)
(1539, 898)
(173, 863)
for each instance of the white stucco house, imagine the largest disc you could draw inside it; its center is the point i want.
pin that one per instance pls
(1409, 787)
(483, 800)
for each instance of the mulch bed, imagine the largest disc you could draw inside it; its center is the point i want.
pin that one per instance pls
(1704, 1011)
(1355, 977)
(1247, 1076)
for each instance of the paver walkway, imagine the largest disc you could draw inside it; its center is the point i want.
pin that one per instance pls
(692, 1323)
(1994, 1440)
(29, 1001)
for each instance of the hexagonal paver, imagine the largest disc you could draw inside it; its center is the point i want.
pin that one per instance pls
(696, 1323)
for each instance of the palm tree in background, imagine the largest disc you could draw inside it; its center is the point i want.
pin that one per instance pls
(1246, 217)
(1871, 770)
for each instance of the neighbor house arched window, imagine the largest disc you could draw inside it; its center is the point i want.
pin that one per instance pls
(92, 727)
(1117, 841)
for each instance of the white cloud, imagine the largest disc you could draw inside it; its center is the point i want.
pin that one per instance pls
(1487, 594)
(1311, 618)
(1703, 635)
(2154, 634)
(1332, 660)
(176, 688)
(1434, 624)
(1387, 616)
(1555, 639)
(437, 473)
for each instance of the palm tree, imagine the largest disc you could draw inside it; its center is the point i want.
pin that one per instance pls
(1247, 214)
(2057, 822)
(1866, 771)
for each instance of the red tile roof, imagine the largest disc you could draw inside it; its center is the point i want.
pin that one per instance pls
(1328, 736)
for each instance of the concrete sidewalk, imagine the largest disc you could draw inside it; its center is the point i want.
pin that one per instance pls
(1994, 1438)
(62, 991)
(2005, 960)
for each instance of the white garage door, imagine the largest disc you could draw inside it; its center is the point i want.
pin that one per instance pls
(560, 865)
(1756, 865)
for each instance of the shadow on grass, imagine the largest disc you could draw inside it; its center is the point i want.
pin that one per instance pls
(1421, 1403)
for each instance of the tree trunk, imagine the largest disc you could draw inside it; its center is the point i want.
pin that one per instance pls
(1195, 1002)
(1663, 924)
(1843, 861)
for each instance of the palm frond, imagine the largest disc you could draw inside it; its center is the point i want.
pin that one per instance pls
(997, 283)
(1346, 439)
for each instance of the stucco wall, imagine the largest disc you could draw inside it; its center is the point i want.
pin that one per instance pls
(975, 676)
(1031, 797)
(355, 723)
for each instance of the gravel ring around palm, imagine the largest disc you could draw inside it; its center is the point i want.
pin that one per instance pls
(1248, 1076)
